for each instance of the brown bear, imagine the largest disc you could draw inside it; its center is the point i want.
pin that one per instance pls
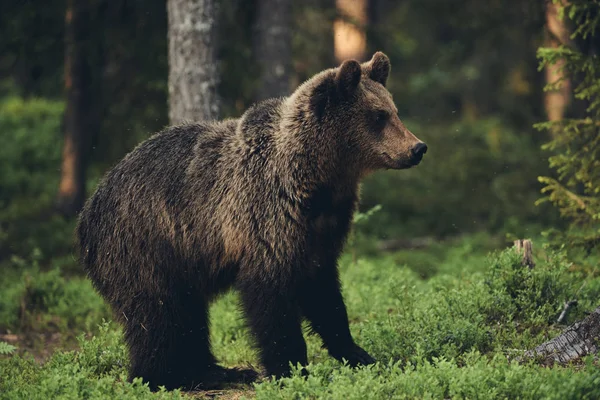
(262, 204)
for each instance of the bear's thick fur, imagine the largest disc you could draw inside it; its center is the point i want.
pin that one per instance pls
(262, 204)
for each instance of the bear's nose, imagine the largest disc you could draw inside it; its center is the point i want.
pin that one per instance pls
(419, 149)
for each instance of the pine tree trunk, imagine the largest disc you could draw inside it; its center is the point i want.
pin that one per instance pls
(71, 191)
(350, 39)
(193, 75)
(578, 340)
(557, 33)
(273, 47)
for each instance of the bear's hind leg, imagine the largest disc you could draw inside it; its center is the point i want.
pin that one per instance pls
(168, 340)
(173, 350)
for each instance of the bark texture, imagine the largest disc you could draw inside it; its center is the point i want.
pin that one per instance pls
(557, 33)
(578, 340)
(71, 191)
(193, 77)
(273, 47)
(350, 39)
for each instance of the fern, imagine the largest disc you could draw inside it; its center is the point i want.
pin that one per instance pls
(6, 348)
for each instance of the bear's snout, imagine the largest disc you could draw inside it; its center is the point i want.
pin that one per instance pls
(417, 153)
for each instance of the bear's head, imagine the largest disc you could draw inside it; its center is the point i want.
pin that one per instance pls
(352, 103)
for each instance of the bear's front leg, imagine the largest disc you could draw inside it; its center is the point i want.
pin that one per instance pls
(323, 306)
(274, 319)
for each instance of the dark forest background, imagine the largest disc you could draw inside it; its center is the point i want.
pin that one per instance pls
(464, 76)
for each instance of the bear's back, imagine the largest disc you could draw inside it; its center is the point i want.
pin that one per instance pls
(140, 202)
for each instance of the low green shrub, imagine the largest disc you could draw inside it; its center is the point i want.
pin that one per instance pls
(45, 300)
(475, 377)
(494, 303)
(530, 295)
(97, 371)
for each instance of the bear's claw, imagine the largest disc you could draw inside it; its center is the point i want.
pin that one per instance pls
(218, 377)
(355, 356)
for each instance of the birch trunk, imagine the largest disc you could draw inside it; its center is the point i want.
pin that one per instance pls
(193, 77)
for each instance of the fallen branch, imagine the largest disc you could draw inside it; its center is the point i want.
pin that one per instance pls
(565, 310)
(578, 340)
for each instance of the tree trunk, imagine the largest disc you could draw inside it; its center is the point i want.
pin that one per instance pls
(578, 340)
(193, 77)
(350, 39)
(557, 33)
(273, 47)
(71, 191)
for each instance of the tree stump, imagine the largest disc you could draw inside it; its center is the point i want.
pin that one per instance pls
(524, 247)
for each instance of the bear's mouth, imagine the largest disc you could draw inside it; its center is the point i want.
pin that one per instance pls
(416, 159)
(400, 163)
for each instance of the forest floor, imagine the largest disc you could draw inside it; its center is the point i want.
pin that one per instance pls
(444, 321)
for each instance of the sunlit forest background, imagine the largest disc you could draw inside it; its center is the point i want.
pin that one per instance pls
(505, 94)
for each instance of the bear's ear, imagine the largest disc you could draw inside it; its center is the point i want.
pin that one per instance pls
(378, 68)
(348, 77)
(320, 98)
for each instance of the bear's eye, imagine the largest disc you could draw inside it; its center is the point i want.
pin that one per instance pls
(380, 118)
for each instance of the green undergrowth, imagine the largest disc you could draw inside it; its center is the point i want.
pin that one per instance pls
(453, 333)
(96, 371)
(477, 377)
(46, 299)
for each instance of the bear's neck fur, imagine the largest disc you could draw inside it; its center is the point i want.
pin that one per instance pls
(305, 154)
